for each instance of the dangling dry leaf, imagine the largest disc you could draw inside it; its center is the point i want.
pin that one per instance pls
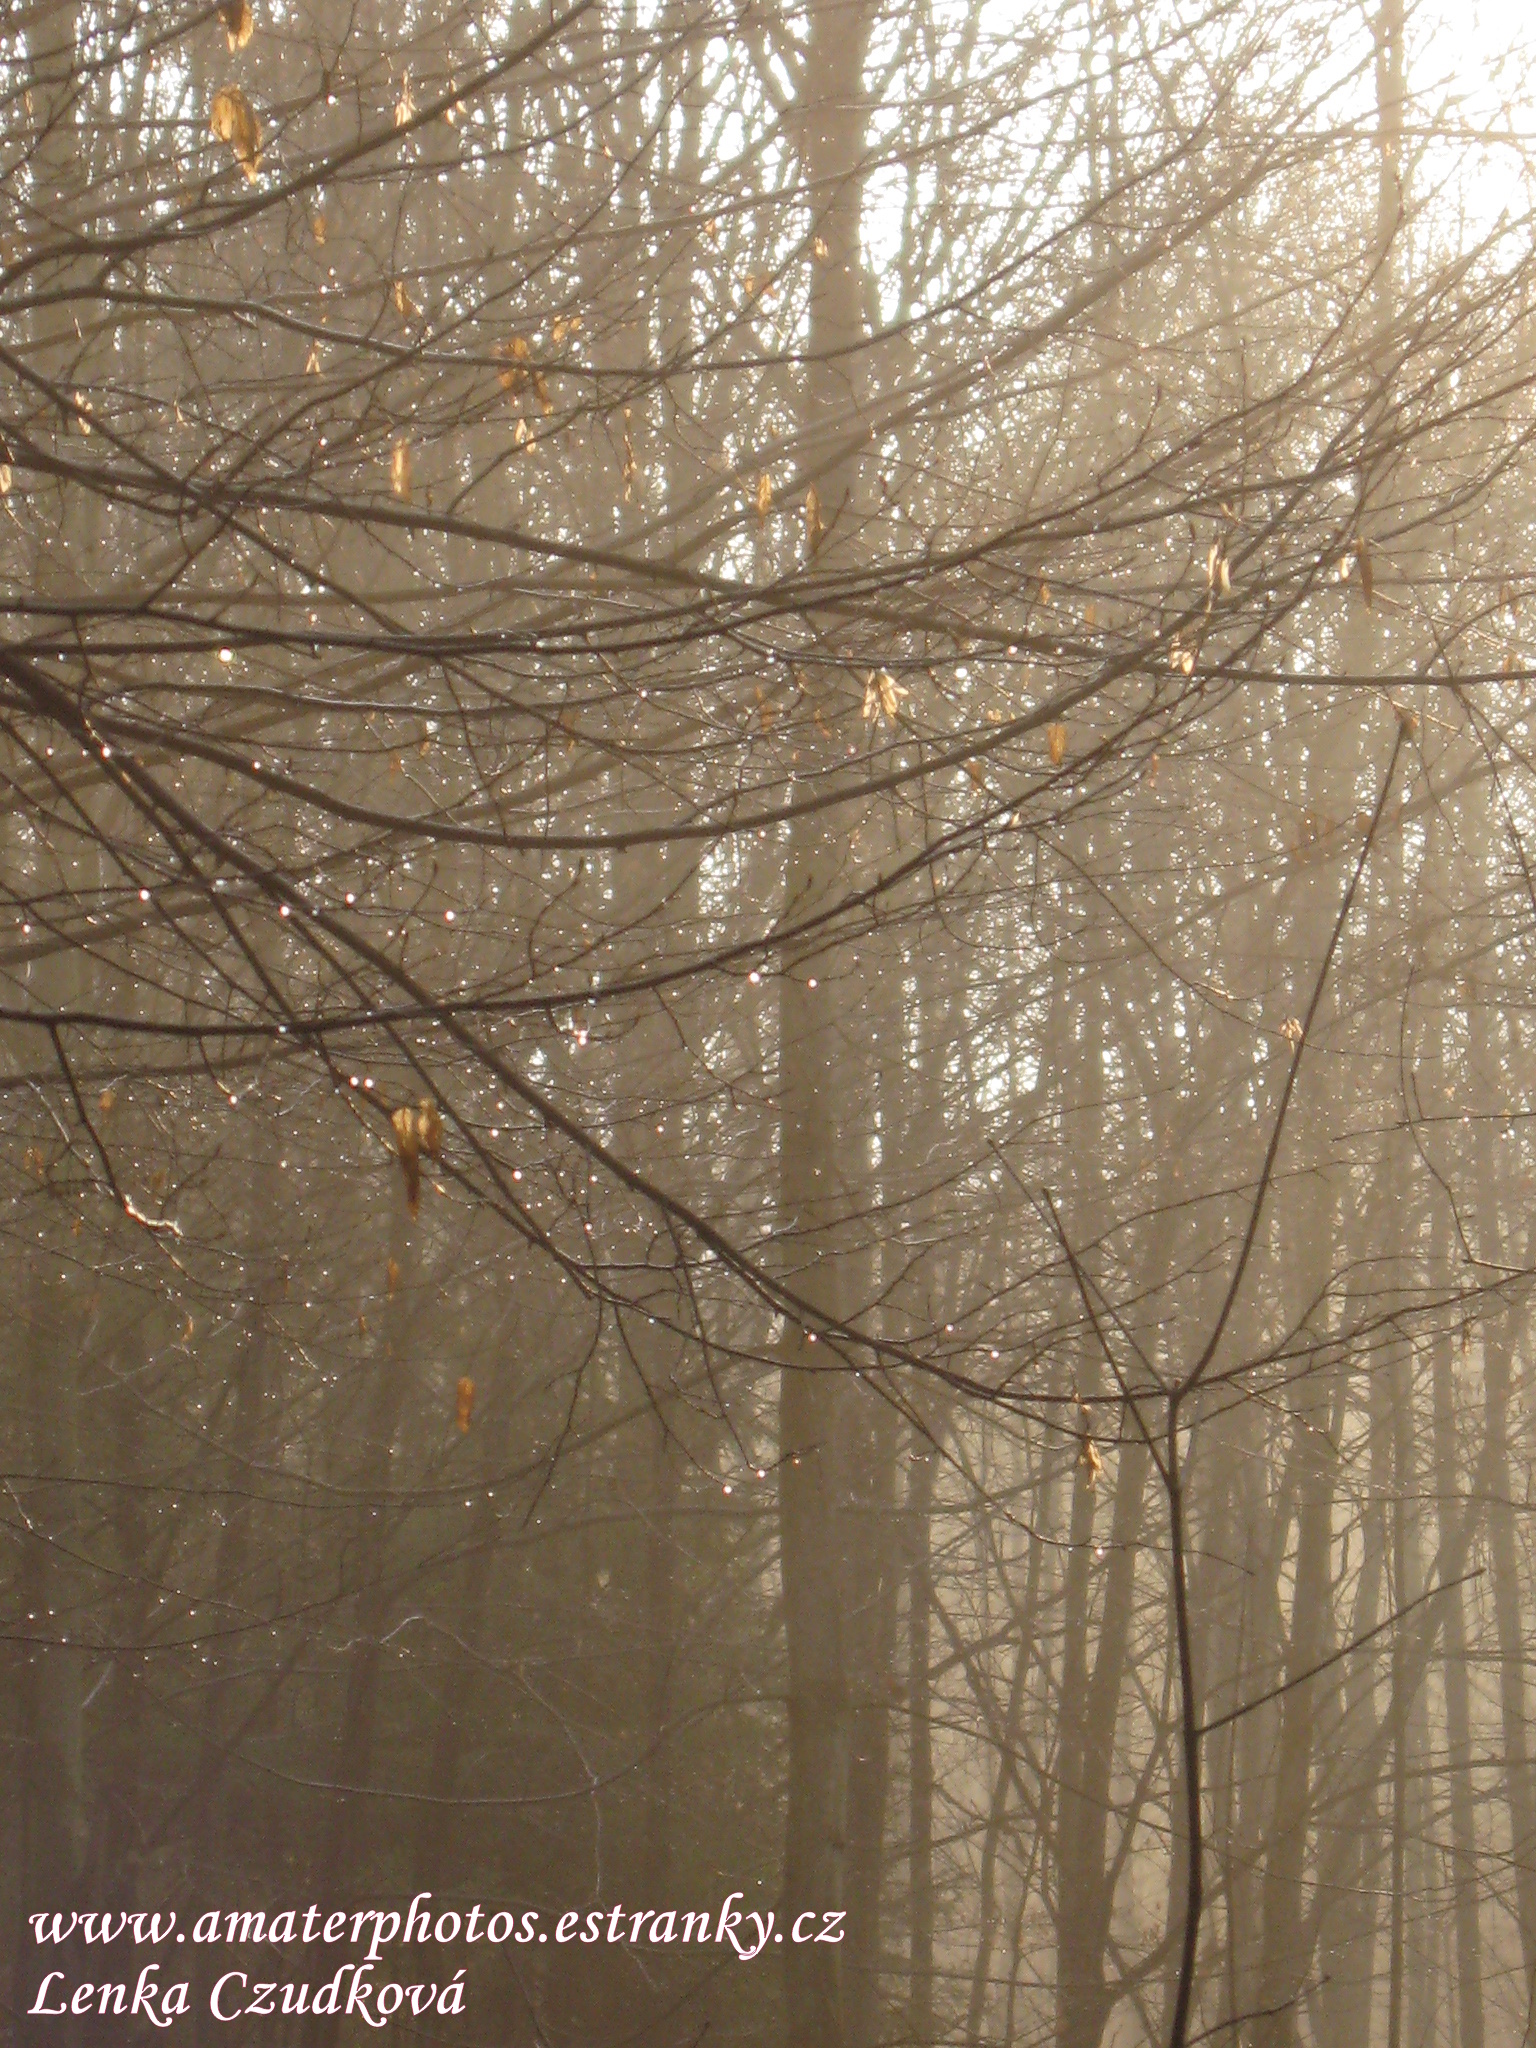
(521, 438)
(977, 773)
(405, 106)
(1292, 1030)
(400, 469)
(883, 696)
(1045, 591)
(239, 24)
(763, 498)
(631, 468)
(312, 360)
(82, 413)
(409, 1149)
(317, 227)
(232, 121)
(1056, 740)
(105, 1101)
(1089, 1460)
(362, 1324)
(429, 1128)
(466, 1392)
(820, 250)
(188, 1330)
(405, 305)
(417, 1131)
(514, 353)
(1090, 615)
(1367, 573)
(814, 530)
(5, 479)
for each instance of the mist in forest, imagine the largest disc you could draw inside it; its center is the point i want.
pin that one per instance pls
(767, 908)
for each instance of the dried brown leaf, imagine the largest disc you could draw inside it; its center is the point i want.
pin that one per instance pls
(231, 120)
(239, 23)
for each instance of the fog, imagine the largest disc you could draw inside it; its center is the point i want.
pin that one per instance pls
(766, 939)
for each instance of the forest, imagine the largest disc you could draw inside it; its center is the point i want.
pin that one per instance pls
(767, 877)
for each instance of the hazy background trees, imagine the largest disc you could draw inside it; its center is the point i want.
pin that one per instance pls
(766, 955)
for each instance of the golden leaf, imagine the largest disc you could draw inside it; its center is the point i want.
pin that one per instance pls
(466, 1404)
(400, 469)
(814, 530)
(1045, 591)
(408, 1146)
(763, 499)
(405, 305)
(5, 479)
(362, 1324)
(883, 696)
(232, 121)
(521, 437)
(1292, 1030)
(392, 1275)
(1056, 740)
(820, 250)
(239, 24)
(82, 414)
(1089, 1460)
(1367, 573)
(405, 106)
(513, 352)
(188, 1330)
(312, 360)
(105, 1100)
(977, 774)
(1090, 615)
(317, 227)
